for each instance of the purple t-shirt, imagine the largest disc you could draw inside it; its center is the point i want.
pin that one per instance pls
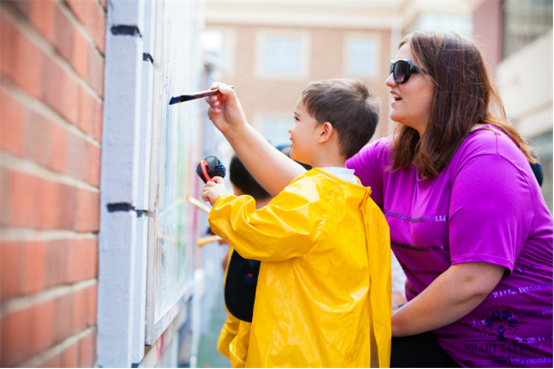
(485, 206)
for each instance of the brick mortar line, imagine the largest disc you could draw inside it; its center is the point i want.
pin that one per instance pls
(102, 6)
(57, 349)
(20, 303)
(67, 10)
(42, 43)
(26, 166)
(22, 234)
(38, 106)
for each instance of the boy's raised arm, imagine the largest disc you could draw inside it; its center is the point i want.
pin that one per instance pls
(271, 168)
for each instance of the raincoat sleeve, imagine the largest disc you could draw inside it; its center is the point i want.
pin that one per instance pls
(230, 328)
(286, 228)
(378, 244)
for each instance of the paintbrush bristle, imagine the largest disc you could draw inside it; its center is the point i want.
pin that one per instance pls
(178, 99)
(174, 100)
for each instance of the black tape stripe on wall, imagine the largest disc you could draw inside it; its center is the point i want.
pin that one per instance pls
(126, 30)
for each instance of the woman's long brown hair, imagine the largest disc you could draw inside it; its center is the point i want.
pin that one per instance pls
(462, 98)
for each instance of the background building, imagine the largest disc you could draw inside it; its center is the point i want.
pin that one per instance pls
(517, 35)
(274, 49)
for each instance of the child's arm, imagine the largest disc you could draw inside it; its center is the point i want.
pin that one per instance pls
(284, 229)
(273, 170)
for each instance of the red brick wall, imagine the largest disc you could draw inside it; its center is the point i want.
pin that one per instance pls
(51, 99)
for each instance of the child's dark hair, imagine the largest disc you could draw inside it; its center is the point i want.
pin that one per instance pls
(349, 106)
(243, 180)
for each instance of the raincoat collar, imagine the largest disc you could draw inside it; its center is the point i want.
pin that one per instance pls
(315, 171)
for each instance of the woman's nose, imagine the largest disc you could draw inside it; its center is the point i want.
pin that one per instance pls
(390, 81)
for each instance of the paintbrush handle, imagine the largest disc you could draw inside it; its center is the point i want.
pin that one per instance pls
(202, 241)
(198, 204)
(206, 93)
(194, 96)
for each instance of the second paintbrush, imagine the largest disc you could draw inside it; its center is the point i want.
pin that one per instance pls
(197, 95)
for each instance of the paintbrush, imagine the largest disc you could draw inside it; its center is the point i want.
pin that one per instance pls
(197, 95)
(198, 204)
(202, 241)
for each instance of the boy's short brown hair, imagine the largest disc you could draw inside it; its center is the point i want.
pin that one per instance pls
(349, 106)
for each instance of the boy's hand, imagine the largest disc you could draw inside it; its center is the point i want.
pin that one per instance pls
(213, 189)
(225, 110)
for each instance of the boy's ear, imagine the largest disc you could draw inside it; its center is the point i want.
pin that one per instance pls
(326, 132)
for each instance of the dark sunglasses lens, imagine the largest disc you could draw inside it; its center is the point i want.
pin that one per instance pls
(400, 72)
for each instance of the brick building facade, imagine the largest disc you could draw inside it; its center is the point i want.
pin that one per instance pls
(517, 37)
(272, 49)
(51, 99)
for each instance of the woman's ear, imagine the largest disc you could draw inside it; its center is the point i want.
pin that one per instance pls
(326, 132)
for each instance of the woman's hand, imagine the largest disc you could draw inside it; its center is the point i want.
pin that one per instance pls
(213, 189)
(225, 110)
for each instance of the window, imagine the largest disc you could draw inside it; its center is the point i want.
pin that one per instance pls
(361, 58)
(213, 43)
(275, 129)
(362, 52)
(282, 54)
(443, 22)
(218, 46)
(524, 22)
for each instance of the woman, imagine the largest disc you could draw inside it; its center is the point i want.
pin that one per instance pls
(468, 222)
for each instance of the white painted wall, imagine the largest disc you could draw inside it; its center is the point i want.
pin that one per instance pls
(149, 264)
(118, 188)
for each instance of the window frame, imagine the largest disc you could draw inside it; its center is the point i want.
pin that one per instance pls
(305, 46)
(376, 40)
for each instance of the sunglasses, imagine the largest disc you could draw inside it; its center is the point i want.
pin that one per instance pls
(402, 70)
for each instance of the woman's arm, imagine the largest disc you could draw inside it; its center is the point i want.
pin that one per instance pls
(273, 170)
(455, 293)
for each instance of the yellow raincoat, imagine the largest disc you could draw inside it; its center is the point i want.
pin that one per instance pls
(323, 296)
(235, 334)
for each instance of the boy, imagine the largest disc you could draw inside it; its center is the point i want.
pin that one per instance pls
(235, 333)
(323, 296)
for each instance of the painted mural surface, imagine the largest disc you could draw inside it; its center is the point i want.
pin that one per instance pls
(175, 155)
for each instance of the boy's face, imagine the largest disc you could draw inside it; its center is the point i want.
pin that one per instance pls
(304, 134)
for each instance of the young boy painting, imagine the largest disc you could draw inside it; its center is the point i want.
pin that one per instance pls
(323, 294)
